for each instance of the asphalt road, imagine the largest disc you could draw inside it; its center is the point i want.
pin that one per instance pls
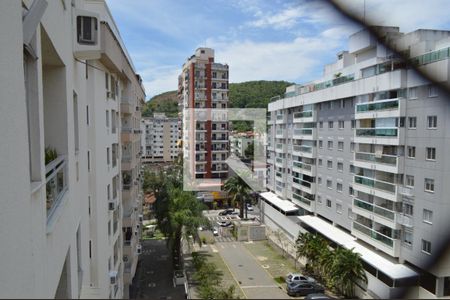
(254, 281)
(154, 275)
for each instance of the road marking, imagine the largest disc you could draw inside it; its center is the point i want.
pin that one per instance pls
(234, 246)
(214, 249)
(222, 246)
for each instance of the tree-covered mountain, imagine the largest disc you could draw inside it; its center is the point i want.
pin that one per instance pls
(250, 94)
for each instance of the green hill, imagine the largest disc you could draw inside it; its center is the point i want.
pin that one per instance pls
(250, 94)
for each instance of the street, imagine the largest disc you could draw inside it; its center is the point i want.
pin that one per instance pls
(154, 275)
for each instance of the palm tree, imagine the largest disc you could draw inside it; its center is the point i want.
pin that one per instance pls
(239, 191)
(346, 270)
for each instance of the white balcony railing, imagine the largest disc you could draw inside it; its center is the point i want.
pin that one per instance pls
(56, 183)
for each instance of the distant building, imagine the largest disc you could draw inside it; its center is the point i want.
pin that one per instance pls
(204, 84)
(239, 143)
(159, 139)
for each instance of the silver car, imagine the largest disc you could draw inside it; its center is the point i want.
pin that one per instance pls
(298, 278)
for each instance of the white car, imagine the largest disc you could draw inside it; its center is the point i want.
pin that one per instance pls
(215, 231)
(249, 207)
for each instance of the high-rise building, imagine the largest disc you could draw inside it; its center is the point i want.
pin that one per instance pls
(360, 155)
(203, 84)
(159, 138)
(65, 76)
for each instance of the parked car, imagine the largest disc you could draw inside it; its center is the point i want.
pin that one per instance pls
(317, 297)
(298, 278)
(224, 223)
(227, 211)
(249, 207)
(215, 231)
(304, 288)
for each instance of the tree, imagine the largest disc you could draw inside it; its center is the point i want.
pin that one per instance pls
(239, 191)
(248, 153)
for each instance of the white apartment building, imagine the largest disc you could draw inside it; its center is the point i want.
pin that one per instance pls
(359, 156)
(239, 143)
(64, 73)
(159, 139)
(203, 84)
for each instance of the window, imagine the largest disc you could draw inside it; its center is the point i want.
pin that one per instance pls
(107, 118)
(409, 181)
(320, 162)
(107, 156)
(408, 209)
(340, 146)
(340, 166)
(339, 186)
(350, 214)
(432, 122)
(413, 93)
(329, 164)
(352, 147)
(89, 160)
(411, 152)
(353, 124)
(319, 180)
(350, 190)
(319, 199)
(320, 124)
(426, 246)
(341, 124)
(431, 153)
(108, 191)
(352, 169)
(429, 185)
(412, 122)
(75, 121)
(432, 91)
(408, 237)
(328, 203)
(446, 286)
(339, 208)
(320, 144)
(330, 124)
(330, 145)
(87, 115)
(329, 183)
(87, 30)
(427, 216)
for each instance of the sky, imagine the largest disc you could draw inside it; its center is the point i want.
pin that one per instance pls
(259, 39)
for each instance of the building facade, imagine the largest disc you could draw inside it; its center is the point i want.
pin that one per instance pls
(69, 71)
(203, 84)
(159, 139)
(360, 154)
(239, 143)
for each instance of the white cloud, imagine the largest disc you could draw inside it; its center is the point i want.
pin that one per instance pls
(249, 60)
(286, 18)
(160, 79)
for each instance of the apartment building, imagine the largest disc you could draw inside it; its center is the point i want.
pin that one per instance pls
(159, 139)
(358, 156)
(239, 143)
(203, 84)
(65, 72)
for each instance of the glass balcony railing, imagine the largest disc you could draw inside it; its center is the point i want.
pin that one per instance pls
(384, 159)
(56, 183)
(279, 132)
(307, 149)
(279, 160)
(373, 234)
(381, 132)
(303, 131)
(280, 117)
(301, 182)
(303, 114)
(380, 185)
(302, 166)
(377, 106)
(381, 211)
(301, 199)
(279, 174)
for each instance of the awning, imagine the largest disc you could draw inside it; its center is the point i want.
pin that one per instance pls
(340, 237)
(284, 205)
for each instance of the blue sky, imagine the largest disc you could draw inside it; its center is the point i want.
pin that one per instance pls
(260, 39)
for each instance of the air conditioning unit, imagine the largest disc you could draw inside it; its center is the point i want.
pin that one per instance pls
(136, 232)
(86, 34)
(108, 94)
(113, 276)
(139, 249)
(87, 30)
(112, 205)
(138, 226)
(141, 218)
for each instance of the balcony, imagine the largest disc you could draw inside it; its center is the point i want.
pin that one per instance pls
(279, 162)
(304, 117)
(383, 242)
(379, 214)
(384, 136)
(126, 107)
(304, 151)
(305, 186)
(280, 148)
(383, 162)
(375, 187)
(280, 119)
(304, 133)
(303, 168)
(56, 183)
(126, 135)
(302, 201)
(280, 134)
(381, 109)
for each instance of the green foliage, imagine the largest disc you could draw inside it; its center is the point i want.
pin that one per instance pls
(166, 102)
(238, 190)
(248, 153)
(340, 268)
(255, 94)
(50, 154)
